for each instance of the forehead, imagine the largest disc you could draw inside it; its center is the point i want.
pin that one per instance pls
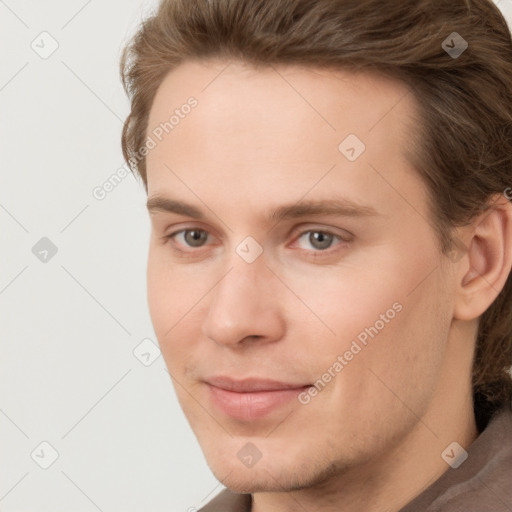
(281, 128)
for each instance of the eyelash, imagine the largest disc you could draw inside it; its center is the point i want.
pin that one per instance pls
(314, 253)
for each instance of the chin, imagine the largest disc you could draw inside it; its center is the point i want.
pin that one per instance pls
(248, 481)
(228, 467)
(270, 474)
(250, 484)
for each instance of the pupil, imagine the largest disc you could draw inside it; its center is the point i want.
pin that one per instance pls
(320, 240)
(195, 238)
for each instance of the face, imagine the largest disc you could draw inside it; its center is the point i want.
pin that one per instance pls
(291, 277)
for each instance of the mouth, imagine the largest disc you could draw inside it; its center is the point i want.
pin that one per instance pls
(251, 399)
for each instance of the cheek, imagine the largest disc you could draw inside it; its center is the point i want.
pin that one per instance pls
(392, 320)
(399, 363)
(175, 294)
(167, 298)
(160, 301)
(172, 289)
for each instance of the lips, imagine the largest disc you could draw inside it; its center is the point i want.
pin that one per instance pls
(251, 398)
(251, 385)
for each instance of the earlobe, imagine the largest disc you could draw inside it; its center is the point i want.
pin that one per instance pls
(488, 261)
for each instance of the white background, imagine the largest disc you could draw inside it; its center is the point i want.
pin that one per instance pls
(69, 326)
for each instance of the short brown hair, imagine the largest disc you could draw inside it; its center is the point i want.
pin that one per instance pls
(464, 140)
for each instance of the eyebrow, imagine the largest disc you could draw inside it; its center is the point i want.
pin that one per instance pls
(336, 207)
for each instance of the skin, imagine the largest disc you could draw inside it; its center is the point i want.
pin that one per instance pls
(259, 139)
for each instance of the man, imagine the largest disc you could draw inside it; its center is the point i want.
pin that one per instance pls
(331, 249)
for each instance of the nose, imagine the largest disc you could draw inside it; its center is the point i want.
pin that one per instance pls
(245, 306)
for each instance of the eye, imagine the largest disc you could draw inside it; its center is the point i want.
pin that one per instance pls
(319, 240)
(191, 237)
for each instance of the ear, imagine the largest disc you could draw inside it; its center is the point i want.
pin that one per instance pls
(484, 270)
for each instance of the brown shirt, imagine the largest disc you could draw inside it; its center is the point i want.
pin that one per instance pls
(482, 483)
